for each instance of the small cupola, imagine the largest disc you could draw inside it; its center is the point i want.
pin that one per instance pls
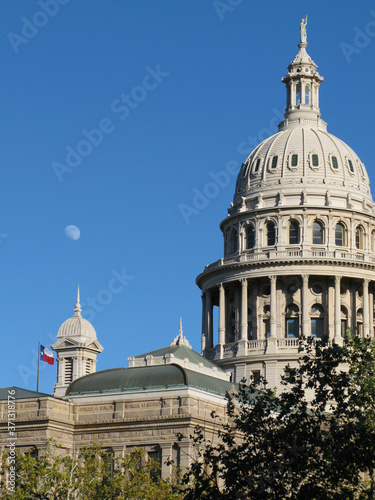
(302, 84)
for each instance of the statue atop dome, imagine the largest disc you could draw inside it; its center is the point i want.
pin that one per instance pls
(302, 30)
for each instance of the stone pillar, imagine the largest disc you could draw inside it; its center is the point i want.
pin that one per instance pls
(366, 315)
(244, 310)
(338, 337)
(209, 335)
(273, 312)
(371, 310)
(166, 455)
(221, 314)
(305, 311)
(204, 332)
(242, 344)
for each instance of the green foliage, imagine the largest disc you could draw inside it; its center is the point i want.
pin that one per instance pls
(92, 474)
(315, 440)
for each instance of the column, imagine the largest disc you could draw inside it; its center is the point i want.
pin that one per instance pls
(305, 311)
(166, 456)
(338, 337)
(366, 315)
(273, 312)
(221, 314)
(209, 335)
(371, 312)
(204, 331)
(244, 310)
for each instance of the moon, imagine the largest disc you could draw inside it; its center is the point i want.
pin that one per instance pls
(72, 232)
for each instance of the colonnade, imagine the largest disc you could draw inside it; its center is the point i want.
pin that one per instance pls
(242, 285)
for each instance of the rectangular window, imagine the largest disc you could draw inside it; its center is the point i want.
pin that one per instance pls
(256, 168)
(292, 328)
(267, 330)
(351, 166)
(335, 164)
(274, 162)
(315, 160)
(317, 327)
(256, 377)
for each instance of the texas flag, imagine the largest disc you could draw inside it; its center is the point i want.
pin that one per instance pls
(46, 355)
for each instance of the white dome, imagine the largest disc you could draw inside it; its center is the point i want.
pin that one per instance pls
(77, 327)
(303, 155)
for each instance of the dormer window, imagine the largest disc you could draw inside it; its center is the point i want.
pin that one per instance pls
(294, 161)
(257, 165)
(315, 160)
(335, 163)
(274, 162)
(351, 167)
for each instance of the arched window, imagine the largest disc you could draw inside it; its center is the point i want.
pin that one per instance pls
(317, 238)
(307, 95)
(317, 321)
(293, 233)
(271, 234)
(339, 235)
(298, 94)
(344, 320)
(250, 333)
(291, 321)
(233, 242)
(359, 237)
(250, 237)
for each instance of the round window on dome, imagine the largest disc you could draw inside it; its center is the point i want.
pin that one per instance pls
(292, 288)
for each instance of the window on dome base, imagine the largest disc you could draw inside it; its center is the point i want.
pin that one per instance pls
(359, 238)
(317, 233)
(233, 244)
(293, 233)
(307, 95)
(292, 321)
(271, 234)
(250, 237)
(339, 235)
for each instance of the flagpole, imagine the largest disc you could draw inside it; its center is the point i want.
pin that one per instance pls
(37, 382)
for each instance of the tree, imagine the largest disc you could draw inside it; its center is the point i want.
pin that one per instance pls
(315, 440)
(92, 474)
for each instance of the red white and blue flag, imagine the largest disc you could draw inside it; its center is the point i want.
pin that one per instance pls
(46, 355)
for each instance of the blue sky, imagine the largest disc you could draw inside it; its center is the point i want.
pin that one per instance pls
(158, 98)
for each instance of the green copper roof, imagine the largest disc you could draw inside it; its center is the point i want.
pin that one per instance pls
(181, 352)
(18, 393)
(145, 378)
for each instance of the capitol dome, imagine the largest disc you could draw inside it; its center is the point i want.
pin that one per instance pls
(299, 244)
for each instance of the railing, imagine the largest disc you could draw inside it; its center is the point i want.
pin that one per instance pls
(256, 345)
(287, 343)
(315, 253)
